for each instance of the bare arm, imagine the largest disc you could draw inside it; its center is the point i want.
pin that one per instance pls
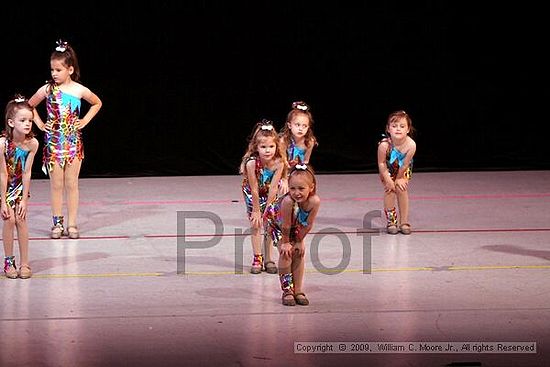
(385, 176)
(283, 183)
(315, 202)
(274, 187)
(3, 180)
(307, 154)
(95, 106)
(22, 209)
(255, 217)
(34, 101)
(287, 205)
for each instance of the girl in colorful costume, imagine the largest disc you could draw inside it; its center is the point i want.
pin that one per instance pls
(262, 167)
(18, 148)
(288, 220)
(298, 137)
(63, 149)
(395, 160)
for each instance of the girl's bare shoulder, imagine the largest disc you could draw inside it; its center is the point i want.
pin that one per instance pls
(314, 200)
(32, 143)
(411, 144)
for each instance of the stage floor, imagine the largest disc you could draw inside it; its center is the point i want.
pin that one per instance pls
(142, 288)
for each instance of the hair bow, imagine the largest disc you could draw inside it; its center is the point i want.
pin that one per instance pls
(301, 167)
(266, 124)
(302, 106)
(61, 45)
(19, 98)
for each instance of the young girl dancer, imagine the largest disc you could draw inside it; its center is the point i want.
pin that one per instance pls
(395, 159)
(298, 137)
(262, 167)
(64, 149)
(289, 219)
(18, 148)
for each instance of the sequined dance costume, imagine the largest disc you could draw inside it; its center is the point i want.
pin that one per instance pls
(295, 154)
(395, 160)
(63, 143)
(274, 220)
(15, 162)
(264, 177)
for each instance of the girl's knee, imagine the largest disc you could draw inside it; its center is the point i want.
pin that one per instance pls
(284, 256)
(71, 183)
(20, 221)
(56, 184)
(10, 222)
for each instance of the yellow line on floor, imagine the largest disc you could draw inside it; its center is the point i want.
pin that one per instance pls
(495, 267)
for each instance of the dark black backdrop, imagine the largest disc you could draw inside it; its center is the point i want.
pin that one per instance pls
(183, 83)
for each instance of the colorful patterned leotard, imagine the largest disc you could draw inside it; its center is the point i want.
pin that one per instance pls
(64, 142)
(264, 177)
(295, 154)
(395, 160)
(15, 161)
(274, 220)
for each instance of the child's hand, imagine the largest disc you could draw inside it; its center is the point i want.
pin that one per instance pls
(286, 249)
(256, 220)
(5, 211)
(79, 124)
(389, 186)
(283, 187)
(22, 210)
(402, 183)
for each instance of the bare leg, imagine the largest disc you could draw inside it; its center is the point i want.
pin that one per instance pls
(7, 234)
(8, 264)
(23, 239)
(403, 203)
(256, 239)
(258, 261)
(298, 268)
(56, 190)
(389, 200)
(391, 213)
(284, 264)
(72, 172)
(268, 248)
(286, 279)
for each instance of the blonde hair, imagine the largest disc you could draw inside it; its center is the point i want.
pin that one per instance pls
(304, 170)
(262, 129)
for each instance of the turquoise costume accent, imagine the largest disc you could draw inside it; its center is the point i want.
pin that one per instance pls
(264, 177)
(295, 154)
(395, 160)
(63, 143)
(274, 220)
(16, 159)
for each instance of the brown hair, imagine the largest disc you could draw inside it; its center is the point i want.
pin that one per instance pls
(299, 107)
(263, 129)
(17, 103)
(398, 115)
(66, 54)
